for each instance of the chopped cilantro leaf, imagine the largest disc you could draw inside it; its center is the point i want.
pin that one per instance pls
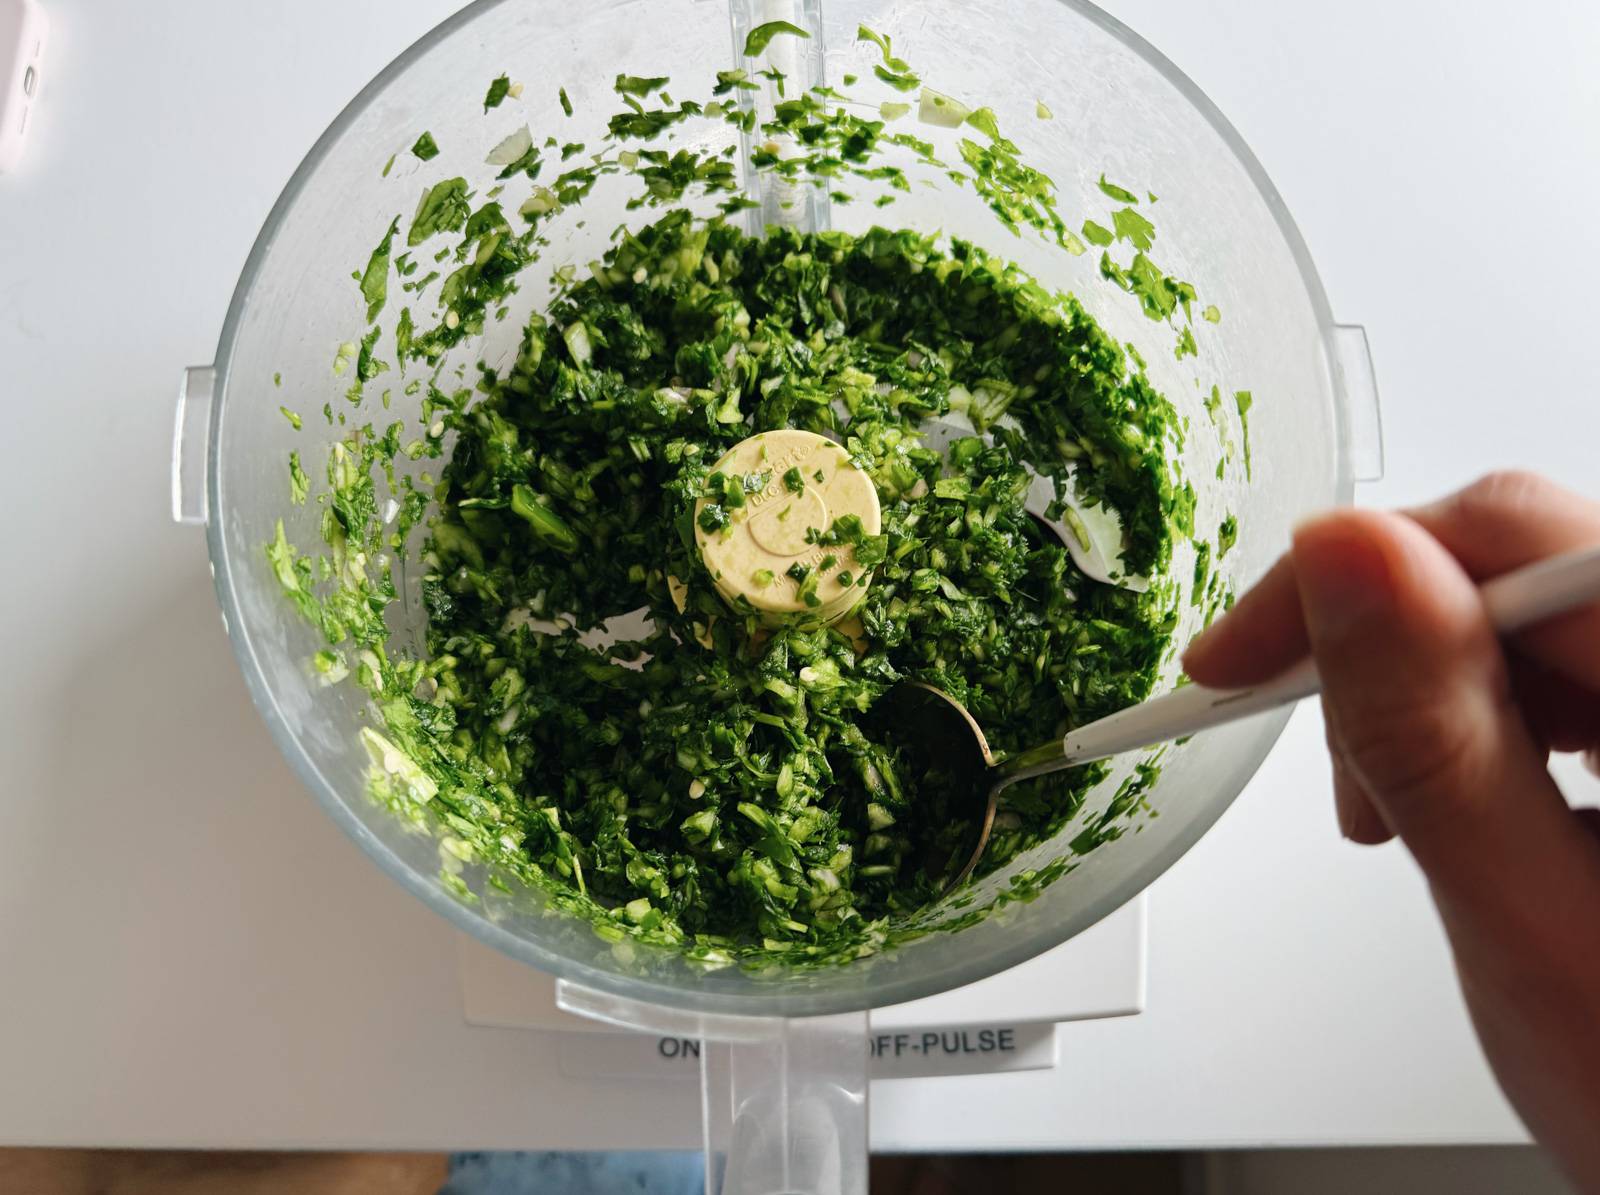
(733, 80)
(1243, 401)
(1097, 234)
(375, 278)
(893, 71)
(900, 81)
(731, 798)
(636, 85)
(1120, 194)
(443, 208)
(755, 44)
(985, 121)
(1227, 535)
(1131, 226)
(299, 483)
(876, 38)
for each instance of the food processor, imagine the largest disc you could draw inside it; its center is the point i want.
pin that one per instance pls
(785, 1102)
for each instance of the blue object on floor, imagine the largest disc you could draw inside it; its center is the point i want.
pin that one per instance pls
(517, 1173)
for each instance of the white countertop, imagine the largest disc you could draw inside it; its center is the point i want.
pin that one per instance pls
(191, 954)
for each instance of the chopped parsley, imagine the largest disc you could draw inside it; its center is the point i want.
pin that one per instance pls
(1120, 194)
(375, 278)
(1227, 535)
(634, 85)
(896, 72)
(299, 482)
(755, 44)
(444, 207)
(714, 784)
(1242, 401)
(1130, 226)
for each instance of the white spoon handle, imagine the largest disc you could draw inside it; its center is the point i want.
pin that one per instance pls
(1514, 601)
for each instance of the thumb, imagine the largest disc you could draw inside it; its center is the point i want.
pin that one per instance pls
(1419, 705)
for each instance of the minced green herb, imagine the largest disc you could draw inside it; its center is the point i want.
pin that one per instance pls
(426, 147)
(1120, 194)
(497, 92)
(1242, 401)
(896, 72)
(375, 278)
(1227, 535)
(714, 784)
(1130, 226)
(755, 44)
(299, 483)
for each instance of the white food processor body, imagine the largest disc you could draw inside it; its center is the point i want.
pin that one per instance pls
(1084, 99)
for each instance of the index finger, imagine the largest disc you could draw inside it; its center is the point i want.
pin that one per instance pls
(1494, 526)
(1263, 634)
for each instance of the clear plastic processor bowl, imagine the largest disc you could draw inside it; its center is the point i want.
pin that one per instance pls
(1118, 107)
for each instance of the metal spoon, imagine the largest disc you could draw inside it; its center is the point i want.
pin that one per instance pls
(1092, 535)
(949, 731)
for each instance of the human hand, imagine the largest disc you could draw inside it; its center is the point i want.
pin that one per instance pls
(1440, 735)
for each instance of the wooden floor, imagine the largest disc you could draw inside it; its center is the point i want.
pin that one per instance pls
(139, 1172)
(154, 1172)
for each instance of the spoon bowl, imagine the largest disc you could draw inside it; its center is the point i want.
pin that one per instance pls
(954, 740)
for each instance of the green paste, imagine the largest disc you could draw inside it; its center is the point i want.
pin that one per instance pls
(709, 783)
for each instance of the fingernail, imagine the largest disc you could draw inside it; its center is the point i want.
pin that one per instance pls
(1343, 575)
